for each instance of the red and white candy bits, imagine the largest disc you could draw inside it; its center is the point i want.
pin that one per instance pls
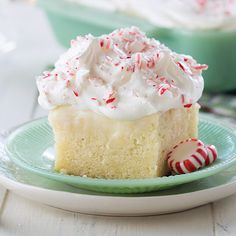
(190, 155)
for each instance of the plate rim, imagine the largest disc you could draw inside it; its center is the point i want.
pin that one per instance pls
(114, 183)
(4, 179)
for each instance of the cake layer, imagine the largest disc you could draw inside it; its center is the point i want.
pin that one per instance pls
(88, 144)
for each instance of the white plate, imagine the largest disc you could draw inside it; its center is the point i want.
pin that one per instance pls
(69, 198)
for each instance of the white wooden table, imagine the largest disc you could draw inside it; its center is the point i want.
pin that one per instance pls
(35, 48)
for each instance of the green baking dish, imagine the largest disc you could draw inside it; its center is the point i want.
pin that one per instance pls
(212, 47)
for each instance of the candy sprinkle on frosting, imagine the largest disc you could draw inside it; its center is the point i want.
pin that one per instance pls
(144, 76)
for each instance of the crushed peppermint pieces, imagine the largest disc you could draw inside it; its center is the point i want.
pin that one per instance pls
(76, 93)
(163, 88)
(187, 105)
(110, 100)
(181, 66)
(101, 43)
(130, 52)
(200, 67)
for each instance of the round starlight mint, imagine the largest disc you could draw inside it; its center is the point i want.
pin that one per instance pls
(190, 155)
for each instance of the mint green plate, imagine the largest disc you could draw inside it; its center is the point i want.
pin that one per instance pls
(26, 146)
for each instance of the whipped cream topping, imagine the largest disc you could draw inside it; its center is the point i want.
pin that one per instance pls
(190, 14)
(123, 75)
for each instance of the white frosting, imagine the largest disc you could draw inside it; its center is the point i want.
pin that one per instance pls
(190, 14)
(123, 75)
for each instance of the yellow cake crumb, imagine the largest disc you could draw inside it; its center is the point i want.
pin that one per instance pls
(88, 144)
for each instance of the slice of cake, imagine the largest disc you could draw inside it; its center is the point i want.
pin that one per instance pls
(118, 104)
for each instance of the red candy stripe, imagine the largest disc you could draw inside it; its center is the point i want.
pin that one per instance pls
(197, 159)
(203, 153)
(179, 168)
(212, 153)
(189, 165)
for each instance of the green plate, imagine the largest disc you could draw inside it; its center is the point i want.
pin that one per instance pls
(26, 147)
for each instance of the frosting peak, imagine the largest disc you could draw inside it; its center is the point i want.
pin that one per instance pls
(122, 75)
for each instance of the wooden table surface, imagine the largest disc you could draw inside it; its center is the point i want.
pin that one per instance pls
(36, 48)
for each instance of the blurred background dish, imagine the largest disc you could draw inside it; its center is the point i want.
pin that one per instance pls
(204, 29)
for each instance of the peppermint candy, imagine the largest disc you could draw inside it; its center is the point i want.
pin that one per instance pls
(190, 155)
